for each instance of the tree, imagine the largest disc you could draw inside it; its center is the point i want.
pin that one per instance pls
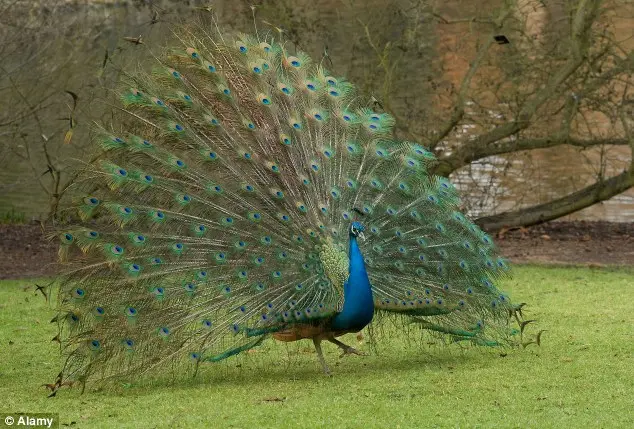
(59, 65)
(565, 78)
(489, 84)
(44, 86)
(499, 90)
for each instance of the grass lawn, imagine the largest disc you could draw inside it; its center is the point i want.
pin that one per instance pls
(581, 376)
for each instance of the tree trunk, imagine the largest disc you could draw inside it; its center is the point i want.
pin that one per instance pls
(581, 199)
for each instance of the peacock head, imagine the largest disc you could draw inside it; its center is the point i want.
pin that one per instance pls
(356, 230)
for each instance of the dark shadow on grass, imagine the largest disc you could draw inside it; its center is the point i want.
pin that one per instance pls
(405, 363)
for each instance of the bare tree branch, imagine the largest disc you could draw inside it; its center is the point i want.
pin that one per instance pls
(509, 146)
(478, 147)
(541, 213)
(459, 105)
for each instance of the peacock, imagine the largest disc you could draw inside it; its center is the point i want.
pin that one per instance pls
(248, 194)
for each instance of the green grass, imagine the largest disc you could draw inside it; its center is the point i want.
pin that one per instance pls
(10, 217)
(581, 376)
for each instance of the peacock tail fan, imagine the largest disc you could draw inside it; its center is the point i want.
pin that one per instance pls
(219, 215)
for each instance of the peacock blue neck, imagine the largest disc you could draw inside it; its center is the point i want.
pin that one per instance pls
(358, 306)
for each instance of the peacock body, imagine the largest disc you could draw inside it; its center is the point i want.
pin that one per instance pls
(253, 194)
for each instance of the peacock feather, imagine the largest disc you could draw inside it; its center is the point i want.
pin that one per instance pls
(253, 194)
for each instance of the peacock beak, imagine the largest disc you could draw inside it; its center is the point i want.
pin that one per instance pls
(361, 236)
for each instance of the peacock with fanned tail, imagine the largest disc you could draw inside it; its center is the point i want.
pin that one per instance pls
(251, 195)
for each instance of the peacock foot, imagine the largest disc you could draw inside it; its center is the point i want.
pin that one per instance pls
(347, 350)
(351, 351)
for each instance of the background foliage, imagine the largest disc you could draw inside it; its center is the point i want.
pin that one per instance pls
(532, 129)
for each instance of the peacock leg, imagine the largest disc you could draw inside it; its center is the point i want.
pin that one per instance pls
(347, 350)
(320, 355)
